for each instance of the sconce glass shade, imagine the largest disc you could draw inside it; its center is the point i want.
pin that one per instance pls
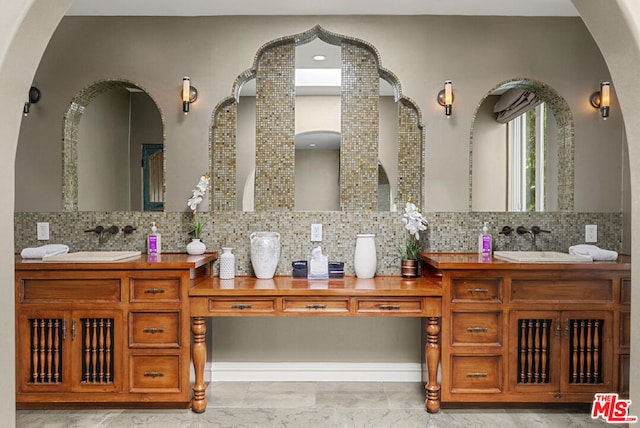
(445, 97)
(602, 99)
(189, 94)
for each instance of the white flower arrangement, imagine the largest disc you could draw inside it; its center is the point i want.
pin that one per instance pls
(196, 198)
(415, 223)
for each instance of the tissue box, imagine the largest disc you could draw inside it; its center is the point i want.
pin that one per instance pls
(336, 269)
(300, 269)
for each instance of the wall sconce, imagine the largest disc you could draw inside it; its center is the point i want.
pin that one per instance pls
(32, 98)
(602, 99)
(189, 94)
(445, 97)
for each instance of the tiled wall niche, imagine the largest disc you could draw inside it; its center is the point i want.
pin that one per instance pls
(455, 232)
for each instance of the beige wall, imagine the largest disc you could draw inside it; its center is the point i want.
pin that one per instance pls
(489, 160)
(423, 51)
(103, 161)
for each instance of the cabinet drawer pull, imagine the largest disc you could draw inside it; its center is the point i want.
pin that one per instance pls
(153, 330)
(477, 374)
(154, 374)
(478, 290)
(241, 306)
(389, 307)
(316, 306)
(477, 329)
(154, 290)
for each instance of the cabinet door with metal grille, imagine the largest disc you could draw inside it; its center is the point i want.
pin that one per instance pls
(43, 346)
(535, 342)
(587, 352)
(69, 351)
(561, 351)
(97, 351)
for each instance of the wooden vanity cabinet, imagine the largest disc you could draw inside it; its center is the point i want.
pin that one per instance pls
(523, 333)
(108, 334)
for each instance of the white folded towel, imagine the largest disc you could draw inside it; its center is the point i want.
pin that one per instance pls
(44, 251)
(596, 253)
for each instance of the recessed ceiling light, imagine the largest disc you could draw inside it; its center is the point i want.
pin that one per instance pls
(312, 145)
(319, 57)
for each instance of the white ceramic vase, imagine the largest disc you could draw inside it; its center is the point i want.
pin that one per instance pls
(265, 253)
(227, 264)
(364, 259)
(196, 246)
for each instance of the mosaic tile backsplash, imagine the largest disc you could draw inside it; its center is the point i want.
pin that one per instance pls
(448, 232)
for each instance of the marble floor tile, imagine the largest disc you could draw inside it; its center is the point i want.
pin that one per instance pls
(281, 395)
(311, 405)
(226, 394)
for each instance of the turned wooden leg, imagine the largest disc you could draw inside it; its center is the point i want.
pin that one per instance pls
(432, 351)
(199, 356)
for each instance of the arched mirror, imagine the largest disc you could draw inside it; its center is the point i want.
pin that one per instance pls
(522, 131)
(304, 94)
(113, 150)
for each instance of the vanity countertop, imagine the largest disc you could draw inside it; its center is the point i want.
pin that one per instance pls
(476, 261)
(143, 261)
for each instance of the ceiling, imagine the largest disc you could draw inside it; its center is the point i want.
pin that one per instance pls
(324, 7)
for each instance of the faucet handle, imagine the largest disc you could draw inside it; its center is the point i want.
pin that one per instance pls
(128, 229)
(506, 230)
(97, 229)
(536, 230)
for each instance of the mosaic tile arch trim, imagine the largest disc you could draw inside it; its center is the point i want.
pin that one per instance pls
(565, 137)
(70, 129)
(274, 72)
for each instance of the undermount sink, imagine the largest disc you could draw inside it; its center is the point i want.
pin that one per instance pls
(541, 257)
(92, 256)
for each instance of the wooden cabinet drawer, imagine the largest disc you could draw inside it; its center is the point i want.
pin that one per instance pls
(154, 373)
(476, 290)
(154, 329)
(476, 374)
(316, 306)
(71, 289)
(251, 305)
(476, 328)
(579, 290)
(155, 290)
(391, 306)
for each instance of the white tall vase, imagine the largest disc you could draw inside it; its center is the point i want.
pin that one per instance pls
(227, 264)
(365, 259)
(265, 253)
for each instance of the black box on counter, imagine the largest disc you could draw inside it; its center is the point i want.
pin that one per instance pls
(336, 269)
(300, 269)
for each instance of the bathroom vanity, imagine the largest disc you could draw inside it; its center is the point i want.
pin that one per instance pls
(532, 332)
(107, 333)
(117, 334)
